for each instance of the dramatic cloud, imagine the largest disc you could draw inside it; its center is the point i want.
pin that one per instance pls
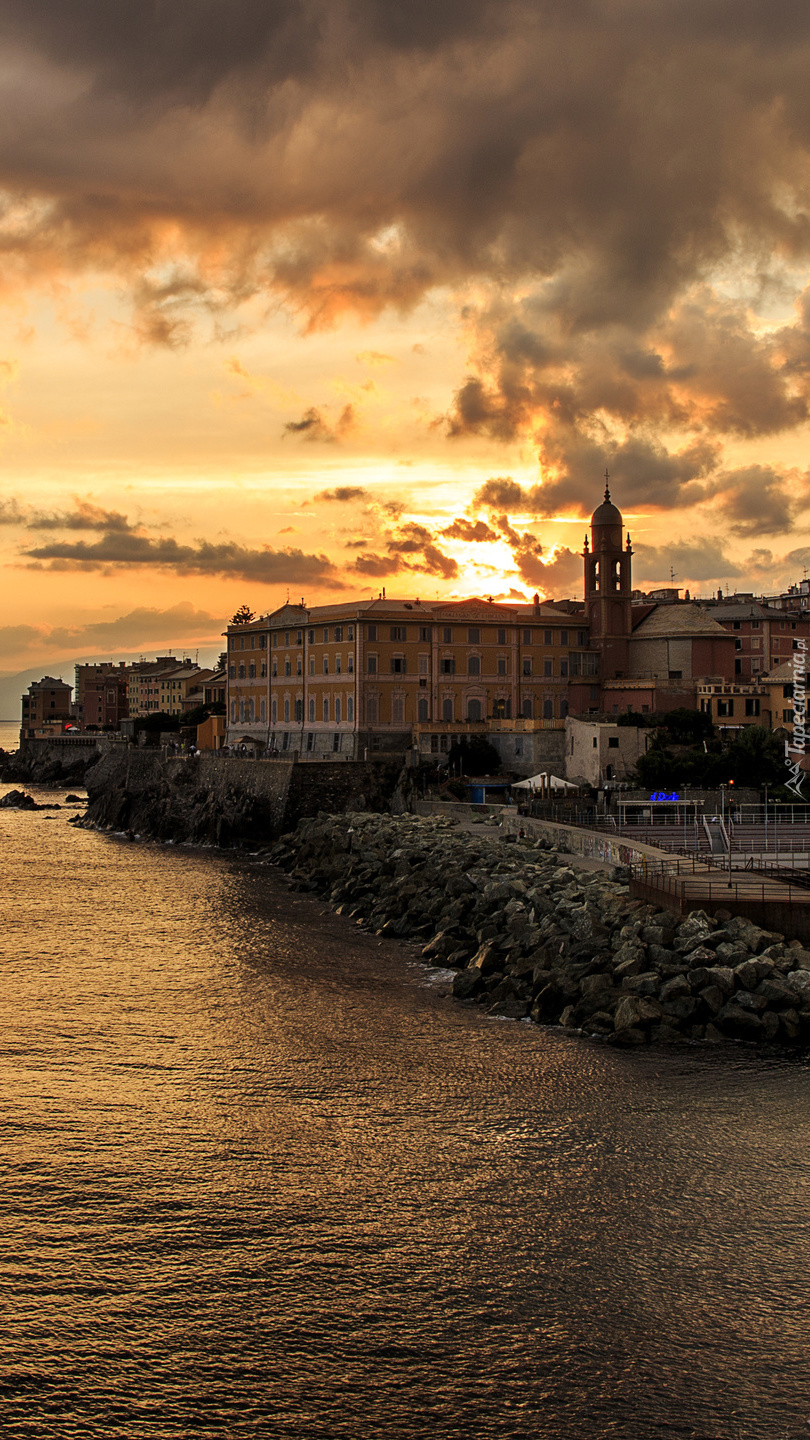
(266, 566)
(615, 198)
(342, 493)
(313, 426)
(692, 561)
(84, 516)
(179, 624)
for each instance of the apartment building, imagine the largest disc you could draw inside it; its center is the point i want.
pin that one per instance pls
(102, 695)
(764, 636)
(47, 703)
(160, 686)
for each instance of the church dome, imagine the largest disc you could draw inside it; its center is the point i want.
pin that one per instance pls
(606, 513)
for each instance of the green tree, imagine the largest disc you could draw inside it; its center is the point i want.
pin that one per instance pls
(243, 616)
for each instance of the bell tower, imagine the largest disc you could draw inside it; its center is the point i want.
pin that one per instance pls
(608, 585)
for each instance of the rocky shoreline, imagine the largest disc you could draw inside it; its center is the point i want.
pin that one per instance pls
(528, 936)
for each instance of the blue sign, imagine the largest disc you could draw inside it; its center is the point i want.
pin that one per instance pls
(659, 795)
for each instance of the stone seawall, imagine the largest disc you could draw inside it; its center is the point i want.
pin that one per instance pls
(527, 936)
(210, 799)
(60, 760)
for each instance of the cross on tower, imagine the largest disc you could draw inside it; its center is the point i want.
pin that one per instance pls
(607, 487)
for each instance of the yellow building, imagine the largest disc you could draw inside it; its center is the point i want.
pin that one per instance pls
(363, 676)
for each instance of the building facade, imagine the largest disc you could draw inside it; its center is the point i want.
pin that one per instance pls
(47, 703)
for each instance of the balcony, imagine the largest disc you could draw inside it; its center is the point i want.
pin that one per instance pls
(520, 726)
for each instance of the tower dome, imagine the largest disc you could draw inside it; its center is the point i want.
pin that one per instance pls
(606, 513)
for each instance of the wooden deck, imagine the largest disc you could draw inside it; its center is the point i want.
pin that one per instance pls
(769, 900)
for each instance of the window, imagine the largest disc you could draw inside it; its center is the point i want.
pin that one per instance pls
(299, 711)
(447, 710)
(422, 709)
(311, 715)
(527, 666)
(299, 666)
(398, 665)
(474, 636)
(312, 664)
(337, 664)
(527, 637)
(338, 632)
(350, 632)
(372, 632)
(231, 672)
(326, 709)
(398, 632)
(752, 707)
(263, 711)
(336, 738)
(563, 709)
(263, 642)
(501, 637)
(371, 664)
(326, 634)
(675, 674)
(738, 644)
(425, 632)
(564, 667)
(548, 709)
(275, 638)
(447, 635)
(288, 667)
(548, 668)
(502, 665)
(725, 707)
(582, 637)
(241, 672)
(286, 637)
(285, 740)
(350, 663)
(350, 709)
(264, 669)
(754, 624)
(563, 637)
(398, 710)
(447, 665)
(787, 692)
(473, 665)
(424, 662)
(310, 738)
(326, 664)
(735, 624)
(548, 637)
(274, 711)
(613, 742)
(311, 637)
(299, 637)
(787, 716)
(286, 712)
(337, 711)
(473, 709)
(233, 712)
(527, 709)
(595, 743)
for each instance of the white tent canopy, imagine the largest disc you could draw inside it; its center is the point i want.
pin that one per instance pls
(544, 781)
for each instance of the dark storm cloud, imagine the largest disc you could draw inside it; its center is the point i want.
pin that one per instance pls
(266, 566)
(592, 167)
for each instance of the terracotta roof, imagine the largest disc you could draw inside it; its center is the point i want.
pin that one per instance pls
(669, 621)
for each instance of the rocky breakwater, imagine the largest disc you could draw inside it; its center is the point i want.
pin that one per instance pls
(529, 936)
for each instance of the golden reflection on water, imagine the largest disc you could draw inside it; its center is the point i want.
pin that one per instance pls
(260, 1179)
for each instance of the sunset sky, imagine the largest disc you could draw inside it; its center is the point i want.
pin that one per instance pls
(326, 295)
